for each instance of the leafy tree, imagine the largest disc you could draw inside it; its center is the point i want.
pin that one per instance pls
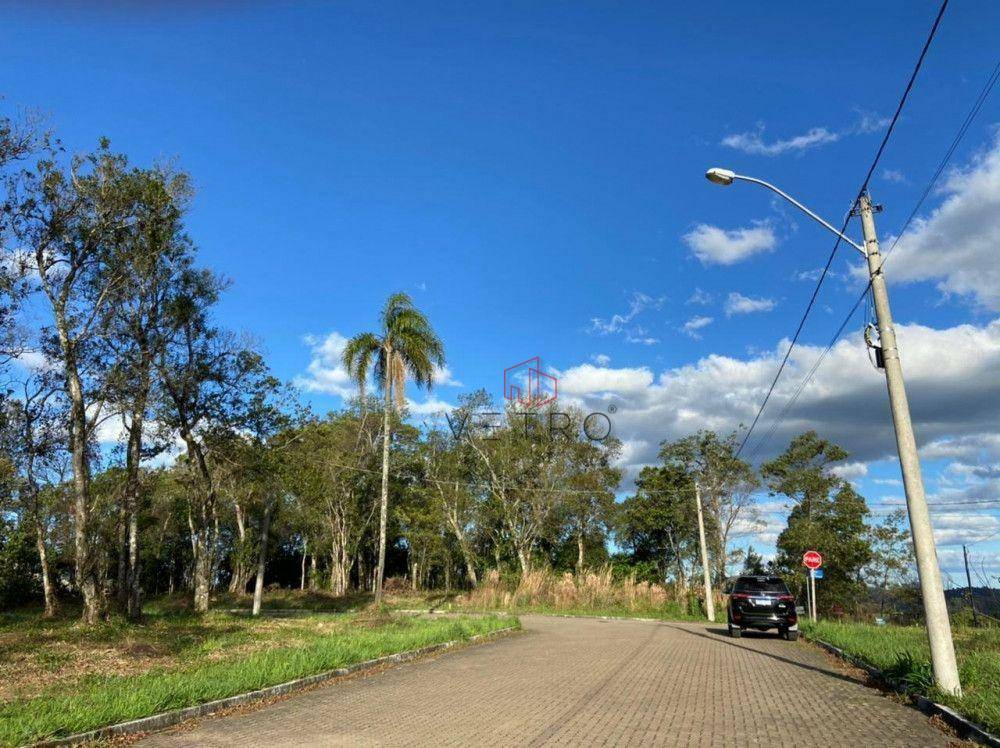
(727, 487)
(659, 523)
(828, 516)
(753, 563)
(405, 346)
(156, 254)
(891, 553)
(76, 221)
(212, 384)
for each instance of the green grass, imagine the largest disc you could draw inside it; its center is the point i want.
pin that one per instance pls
(207, 658)
(902, 653)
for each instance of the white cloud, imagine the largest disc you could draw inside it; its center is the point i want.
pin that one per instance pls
(587, 379)
(443, 377)
(624, 323)
(325, 372)
(702, 298)
(430, 407)
(869, 122)
(887, 481)
(956, 245)
(601, 359)
(693, 325)
(716, 246)
(753, 141)
(737, 303)
(955, 400)
(849, 470)
(893, 175)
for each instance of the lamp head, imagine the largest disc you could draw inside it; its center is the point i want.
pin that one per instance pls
(720, 176)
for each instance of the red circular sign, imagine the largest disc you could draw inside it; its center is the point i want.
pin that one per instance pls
(812, 559)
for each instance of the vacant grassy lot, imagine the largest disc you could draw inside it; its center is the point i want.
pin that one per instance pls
(592, 593)
(903, 654)
(60, 678)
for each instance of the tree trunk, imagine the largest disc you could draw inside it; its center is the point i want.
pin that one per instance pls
(579, 551)
(133, 458)
(239, 567)
(463, 544)
(265, 526)
(312, 572)
(305, 548)
(51, 605)
(202, 539)
(202, 569)
(383, 519)
(86, 566)
(524, 559)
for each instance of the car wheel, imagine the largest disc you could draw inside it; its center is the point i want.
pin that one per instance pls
(735, 632)
(791, 635)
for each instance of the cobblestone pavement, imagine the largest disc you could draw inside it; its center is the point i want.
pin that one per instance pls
(566, 681)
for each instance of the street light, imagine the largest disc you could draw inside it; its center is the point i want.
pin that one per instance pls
(931, 589)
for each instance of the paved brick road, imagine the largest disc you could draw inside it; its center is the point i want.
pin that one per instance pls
(575, 682)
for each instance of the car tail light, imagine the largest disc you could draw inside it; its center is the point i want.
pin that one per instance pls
(740, 596)
(787, 598)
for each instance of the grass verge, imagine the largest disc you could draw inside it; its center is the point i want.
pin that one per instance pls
(902, 653)
(321, 643)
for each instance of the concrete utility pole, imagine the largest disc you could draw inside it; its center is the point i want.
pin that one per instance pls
(931, 588)
(709, 602)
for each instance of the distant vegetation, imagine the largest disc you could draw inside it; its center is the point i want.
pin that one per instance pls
(146, 450)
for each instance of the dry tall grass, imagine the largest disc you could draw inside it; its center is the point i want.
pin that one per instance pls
(595, 591)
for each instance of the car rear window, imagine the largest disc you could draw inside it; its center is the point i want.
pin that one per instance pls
(757, 585)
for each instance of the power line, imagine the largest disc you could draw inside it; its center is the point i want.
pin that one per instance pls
(977, 105)
(836, 245)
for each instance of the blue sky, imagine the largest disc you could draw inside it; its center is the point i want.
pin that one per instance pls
(532, 175)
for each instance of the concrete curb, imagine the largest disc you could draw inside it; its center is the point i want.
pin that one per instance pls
(964, 727)
(176, 716)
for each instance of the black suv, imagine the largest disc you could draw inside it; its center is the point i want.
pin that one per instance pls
(762, 603)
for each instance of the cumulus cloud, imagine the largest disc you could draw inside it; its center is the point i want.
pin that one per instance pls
(325, 372)
(850, 470)
(956, 244)
(955, 400)
(601, 359)
(443, 377)
(716, 246)
(737, 303)
(693, 325)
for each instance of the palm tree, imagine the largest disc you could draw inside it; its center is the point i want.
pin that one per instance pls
(406, 347)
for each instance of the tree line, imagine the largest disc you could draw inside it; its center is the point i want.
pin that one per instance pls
(146, 449)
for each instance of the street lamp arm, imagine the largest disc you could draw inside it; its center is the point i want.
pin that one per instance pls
(803, 208)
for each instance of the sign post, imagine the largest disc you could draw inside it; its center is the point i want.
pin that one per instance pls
(812, 560)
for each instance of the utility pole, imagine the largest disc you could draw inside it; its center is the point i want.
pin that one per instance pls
(968, 586)
(812, 598)
(931, 588)
(709, 602)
